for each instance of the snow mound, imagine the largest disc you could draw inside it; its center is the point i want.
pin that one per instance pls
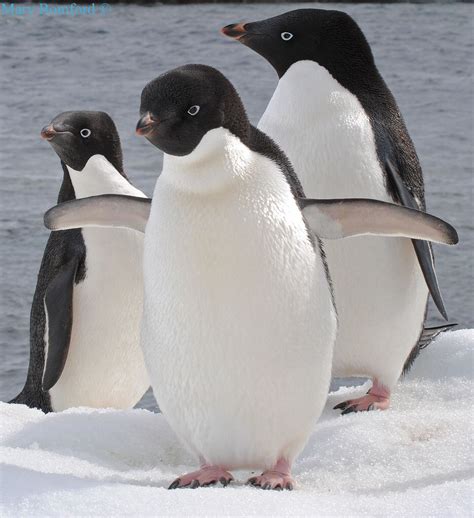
(451, 356)
(413, 460)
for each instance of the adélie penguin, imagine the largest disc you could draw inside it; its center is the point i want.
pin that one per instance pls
(239, 320)
(86, 312)
(339, 124)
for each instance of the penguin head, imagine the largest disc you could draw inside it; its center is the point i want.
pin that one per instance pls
(76, 136)
(181, 106)
(330, 38)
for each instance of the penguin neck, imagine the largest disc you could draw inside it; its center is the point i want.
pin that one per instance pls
(99, 176)
(220, 159)
(310, 86)
(66, 192)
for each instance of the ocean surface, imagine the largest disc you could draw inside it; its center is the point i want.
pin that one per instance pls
(50, 64)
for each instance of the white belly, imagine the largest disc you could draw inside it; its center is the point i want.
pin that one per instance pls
(379, 287)
(104, 366)
(238, 323)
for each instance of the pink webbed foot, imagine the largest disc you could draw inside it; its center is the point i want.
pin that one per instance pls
(279, 477)
(206, 476)
(377, 398)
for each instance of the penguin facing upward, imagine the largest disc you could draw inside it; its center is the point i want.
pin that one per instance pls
(87, 307)
(339, 124)
(239, 320)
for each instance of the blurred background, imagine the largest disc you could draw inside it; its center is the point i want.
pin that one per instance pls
(51, 64)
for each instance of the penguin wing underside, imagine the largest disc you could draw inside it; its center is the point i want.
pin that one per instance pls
(106, 210)
(423, 249)
(347, 217)
(59, 314)
(328, 219)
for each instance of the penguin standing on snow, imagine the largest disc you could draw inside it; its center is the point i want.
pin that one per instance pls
(239, 321)
(87, 307)
(339, 124)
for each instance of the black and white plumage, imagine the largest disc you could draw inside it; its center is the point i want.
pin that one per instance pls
(339, 124)
(239, 320)
(86, 311)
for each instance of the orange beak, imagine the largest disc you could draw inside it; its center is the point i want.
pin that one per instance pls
(146, 124)
(48, 132)
(234, 30)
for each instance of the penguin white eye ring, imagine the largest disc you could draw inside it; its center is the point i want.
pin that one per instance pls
(85, 132)
(194, 110)
(286, 36)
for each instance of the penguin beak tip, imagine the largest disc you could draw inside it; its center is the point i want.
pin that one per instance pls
(48, 133)
(146, 125)
(234, 30)
(142, 131)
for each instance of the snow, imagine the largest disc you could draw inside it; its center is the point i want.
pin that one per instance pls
(412, 460)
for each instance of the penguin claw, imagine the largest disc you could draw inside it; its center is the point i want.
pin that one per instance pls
(204, 477)
(273, 479)
(174, 484)
(377, 398)
(349, 410)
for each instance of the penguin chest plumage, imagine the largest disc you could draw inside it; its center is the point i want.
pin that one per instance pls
(238, 321)
(379, 286)
(326, 134)
(105, 366)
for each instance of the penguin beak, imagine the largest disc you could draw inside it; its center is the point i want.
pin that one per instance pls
(48, 132)
(234, 30)
(53, 130)
(146, 124)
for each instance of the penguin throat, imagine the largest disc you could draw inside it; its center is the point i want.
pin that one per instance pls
(98, 176)
(217, 162)
(308, 86)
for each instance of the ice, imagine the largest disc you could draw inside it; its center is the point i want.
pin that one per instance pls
(412, 460)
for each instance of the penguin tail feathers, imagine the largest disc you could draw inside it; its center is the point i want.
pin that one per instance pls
(428, 334)
(39, 400)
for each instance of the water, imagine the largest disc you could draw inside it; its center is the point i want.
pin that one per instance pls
(53, 64)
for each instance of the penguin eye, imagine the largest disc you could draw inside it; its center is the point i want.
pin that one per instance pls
(194, 110)
(286, 36)
(85, 132)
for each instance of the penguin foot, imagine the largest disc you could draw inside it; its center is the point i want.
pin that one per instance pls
(204, 477)
(377, 398)
(278, 478)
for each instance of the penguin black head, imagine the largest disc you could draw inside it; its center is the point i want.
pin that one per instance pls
(330, 38)
(76, 136)
(179, 107)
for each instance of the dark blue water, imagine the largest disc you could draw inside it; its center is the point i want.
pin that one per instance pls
(52, 64)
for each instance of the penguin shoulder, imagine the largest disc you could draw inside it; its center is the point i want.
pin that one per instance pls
(261, 143)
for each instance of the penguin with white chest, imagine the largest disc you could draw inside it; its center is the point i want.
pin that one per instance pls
(340, 126)
(239, 320)
(86, 312)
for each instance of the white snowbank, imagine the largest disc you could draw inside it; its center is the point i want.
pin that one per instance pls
(413, 460)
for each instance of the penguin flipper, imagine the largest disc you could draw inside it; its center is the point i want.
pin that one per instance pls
(59, 311)
(346, 217)
(106, 210)
(423, 249)
(428, 334)
(34, 399)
